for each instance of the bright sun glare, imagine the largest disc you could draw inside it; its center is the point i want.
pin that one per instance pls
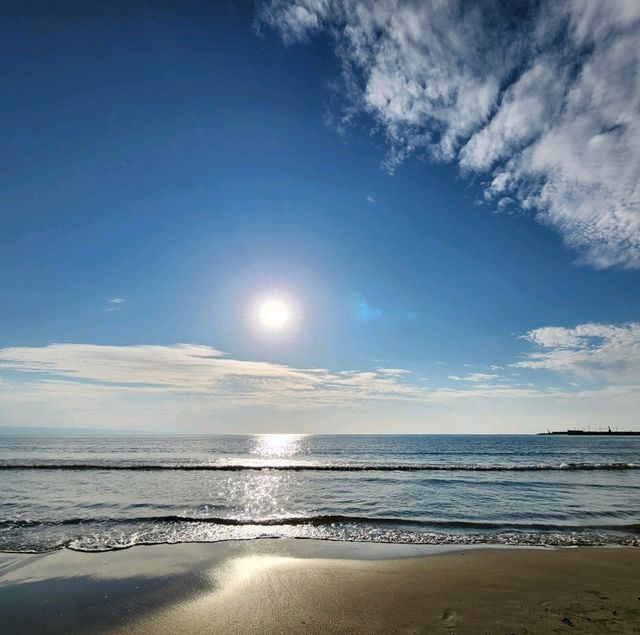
(274, 314)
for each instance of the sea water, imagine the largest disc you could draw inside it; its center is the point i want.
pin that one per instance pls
(90, 493)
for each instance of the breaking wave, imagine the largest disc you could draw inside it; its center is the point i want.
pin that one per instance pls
(322, 467)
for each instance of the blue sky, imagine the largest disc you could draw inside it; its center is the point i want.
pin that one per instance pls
(461, 247)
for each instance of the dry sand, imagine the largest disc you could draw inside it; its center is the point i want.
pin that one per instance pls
(286, 586)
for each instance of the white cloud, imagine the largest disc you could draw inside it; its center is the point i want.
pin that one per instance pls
(115, 304)
(199, 386)
(606, 351)
(203, 370)
(505, 203)
(393, 372)
(475, 377)
(543, 97)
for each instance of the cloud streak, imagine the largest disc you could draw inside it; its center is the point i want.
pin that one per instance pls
(115, 304)
(607, 352)
(475, 377)
(204, 371)
(541, 100)
(191, 383)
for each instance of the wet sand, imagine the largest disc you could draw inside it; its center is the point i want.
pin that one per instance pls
(289, 586)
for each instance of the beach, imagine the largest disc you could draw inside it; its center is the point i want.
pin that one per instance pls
(308, 586)
(320, 534)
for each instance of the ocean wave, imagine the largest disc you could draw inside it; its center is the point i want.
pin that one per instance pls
(112, 541)
(426, 539)
(320, 467)
(322, 520)
(31, 535)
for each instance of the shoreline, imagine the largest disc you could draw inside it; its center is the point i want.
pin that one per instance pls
(628, 542)
(310, 586)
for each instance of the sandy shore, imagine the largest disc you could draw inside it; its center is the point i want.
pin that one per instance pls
(286, 586)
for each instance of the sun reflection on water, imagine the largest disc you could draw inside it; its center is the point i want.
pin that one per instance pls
(260, 497)
(277, 445)
(265, 495)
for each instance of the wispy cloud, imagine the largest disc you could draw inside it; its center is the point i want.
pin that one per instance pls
(393, 372)
(608, 351)
(154, 383)
(541, 99)
(115, 304)
(475, 377)
(605, 351)
(203, 370)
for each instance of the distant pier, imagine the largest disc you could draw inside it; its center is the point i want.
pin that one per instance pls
(594, 433)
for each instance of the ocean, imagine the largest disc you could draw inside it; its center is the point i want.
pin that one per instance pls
(95, 494)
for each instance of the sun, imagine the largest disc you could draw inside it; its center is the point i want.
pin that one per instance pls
(274, 314)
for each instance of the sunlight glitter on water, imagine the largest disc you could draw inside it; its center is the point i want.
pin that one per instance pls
(277, 445)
